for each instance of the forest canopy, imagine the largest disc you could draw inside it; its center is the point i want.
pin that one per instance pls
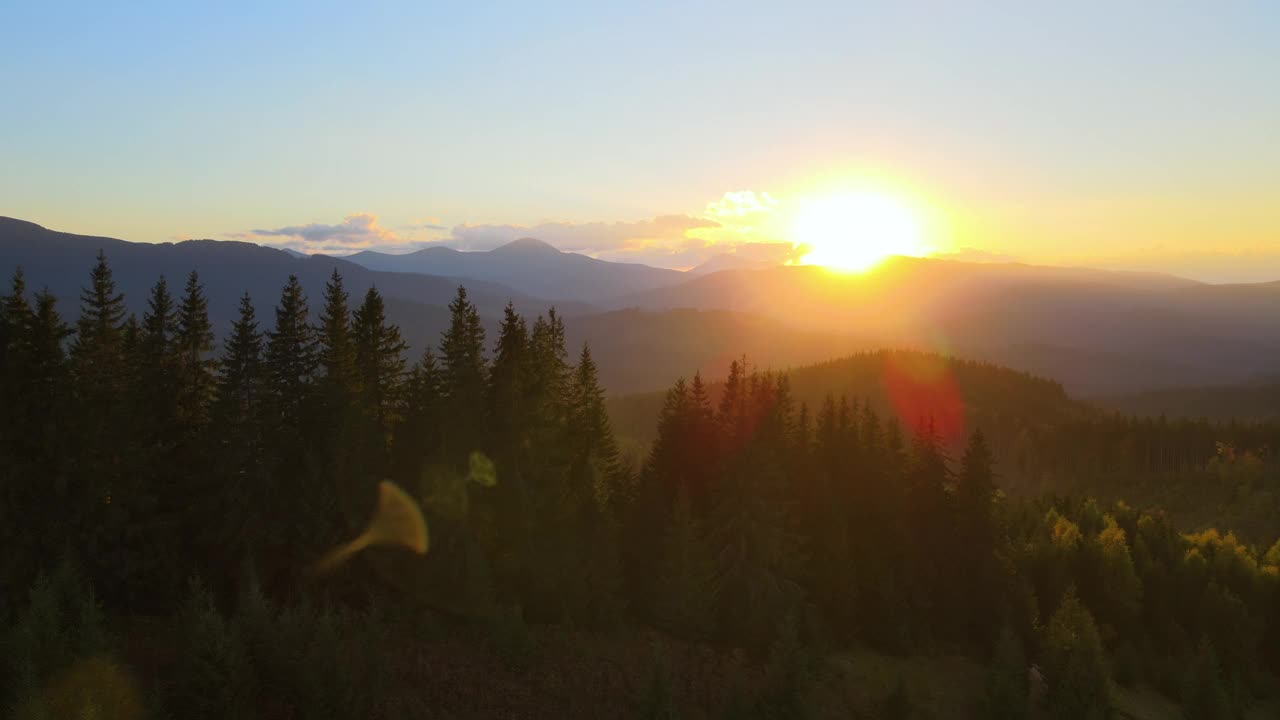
(157, 486)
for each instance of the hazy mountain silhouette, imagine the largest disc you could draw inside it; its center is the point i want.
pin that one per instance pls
(1096, 331)
(728, 261)
(530, 266)
(639, 350)
(635, 350)
(61, 262)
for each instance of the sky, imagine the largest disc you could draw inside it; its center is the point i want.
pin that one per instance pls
(1130, 135)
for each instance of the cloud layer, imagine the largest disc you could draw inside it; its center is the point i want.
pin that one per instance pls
(739, 223)
(358, 231)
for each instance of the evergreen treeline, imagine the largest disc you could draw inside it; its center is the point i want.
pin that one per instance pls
(200, 484)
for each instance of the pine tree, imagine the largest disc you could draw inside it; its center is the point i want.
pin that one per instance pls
(1007, 693)
(193, 345)
(156, 373)
(700, 456)
(931, 569)
(240, 501)
(685, 592)
(1203, 693)
(290, 370)
(379, 356)
(290, 361)
(420, 436)
(976, 543)
(755, 554)
(240, 373)
(15, 480)
(379, 374)
(336, 347)
(659, 484)
(508, 535)
(464, 374)
(546, 399)
(15, 320)
(594, 463)
(507, 386)
(100, 507)
(1079, 686)
(98, 361)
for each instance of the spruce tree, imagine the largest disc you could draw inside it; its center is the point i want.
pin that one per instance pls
(15, 322)
(238, 416)
(379, 365)
(101, 477)
(97, 352)
(419, 438)
(1079, 686)
(931, 569)
(1204, 695)
(464, 374)
(976, 543)
(1007, 691)
(379, 358)
(240, 378)
(193, 346)
(507, 386)
(164, 475)
(685, 593)
(156, 372)
(594, 468)
(336, 348)
(290, 365)
(290, 361)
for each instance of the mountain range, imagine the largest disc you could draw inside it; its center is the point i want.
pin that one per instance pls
(529, 266)
(636, 350)
(1099, 333)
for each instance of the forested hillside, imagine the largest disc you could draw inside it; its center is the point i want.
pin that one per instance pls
(165, 504)
(1205, 472)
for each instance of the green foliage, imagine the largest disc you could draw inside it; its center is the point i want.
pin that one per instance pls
(1204, 696)
(751, 522)
(1075, 668)
(685, 578)
(61, 626)
(789, 675)
(212, 676)
(1006, 695)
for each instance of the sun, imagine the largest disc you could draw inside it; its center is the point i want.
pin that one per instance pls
(855, 231)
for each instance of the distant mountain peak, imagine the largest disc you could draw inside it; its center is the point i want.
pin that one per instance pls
(527, 245)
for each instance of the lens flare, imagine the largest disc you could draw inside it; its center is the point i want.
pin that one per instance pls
(397, 521)
(922, 388)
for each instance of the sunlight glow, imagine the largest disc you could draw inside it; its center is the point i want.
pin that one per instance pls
(855, 231)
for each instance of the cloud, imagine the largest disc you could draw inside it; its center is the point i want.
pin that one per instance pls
(744, 209)
(745, 223)
(358, 231)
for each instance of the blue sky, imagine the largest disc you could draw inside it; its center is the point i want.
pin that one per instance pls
(1144, 134)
